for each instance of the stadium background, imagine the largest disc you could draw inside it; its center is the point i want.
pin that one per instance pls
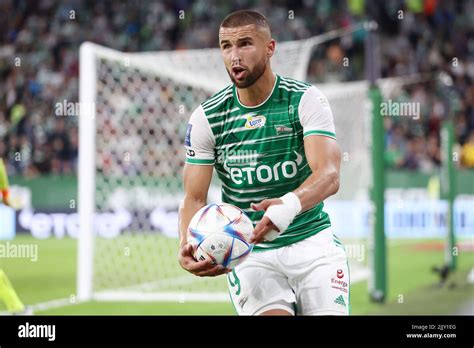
(41, 149)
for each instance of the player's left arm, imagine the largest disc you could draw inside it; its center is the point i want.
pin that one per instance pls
(324, 158)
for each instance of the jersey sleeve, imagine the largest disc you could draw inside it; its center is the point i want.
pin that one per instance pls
(199, 140)
(315, 114)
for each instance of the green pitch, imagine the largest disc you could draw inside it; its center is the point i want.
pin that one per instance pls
(412, 284)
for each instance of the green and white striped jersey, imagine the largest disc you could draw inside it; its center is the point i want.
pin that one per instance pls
(258, 151)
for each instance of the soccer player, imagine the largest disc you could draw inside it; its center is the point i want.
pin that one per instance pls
(7, 293)
(272, 142)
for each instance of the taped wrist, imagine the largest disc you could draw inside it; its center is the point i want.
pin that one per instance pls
(283, 214)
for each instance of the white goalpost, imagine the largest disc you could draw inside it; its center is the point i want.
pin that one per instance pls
(134, 108)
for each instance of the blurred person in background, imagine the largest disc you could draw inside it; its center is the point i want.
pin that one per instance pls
(45, 38)
(8, 294)
(467, 152)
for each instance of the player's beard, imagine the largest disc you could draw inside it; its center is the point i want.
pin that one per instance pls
(252, 76)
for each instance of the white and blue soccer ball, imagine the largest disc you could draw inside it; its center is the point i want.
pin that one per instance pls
(220, 232)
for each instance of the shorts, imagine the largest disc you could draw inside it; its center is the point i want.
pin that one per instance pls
(310, 277)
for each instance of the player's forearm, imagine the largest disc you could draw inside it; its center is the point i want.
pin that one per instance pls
(320, 185)
(187, 209)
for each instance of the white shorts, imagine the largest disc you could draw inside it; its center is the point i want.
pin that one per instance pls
(310, 277)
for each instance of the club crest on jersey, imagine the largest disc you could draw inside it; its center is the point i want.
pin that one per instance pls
(255, 122)
(283, 129)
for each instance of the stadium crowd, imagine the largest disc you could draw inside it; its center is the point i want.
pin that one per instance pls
(39, 41)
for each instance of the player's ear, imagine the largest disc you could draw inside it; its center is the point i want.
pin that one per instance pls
(270, 48)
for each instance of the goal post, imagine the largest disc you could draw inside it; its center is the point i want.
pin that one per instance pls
(86, 171)
(378, 259)
(111, 222)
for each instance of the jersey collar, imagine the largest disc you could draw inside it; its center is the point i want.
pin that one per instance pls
(262, 104)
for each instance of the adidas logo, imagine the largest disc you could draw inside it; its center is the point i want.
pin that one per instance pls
(340, 300)
(242, 301)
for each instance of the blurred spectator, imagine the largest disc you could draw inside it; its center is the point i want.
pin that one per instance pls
(467, 152)
(39, 65)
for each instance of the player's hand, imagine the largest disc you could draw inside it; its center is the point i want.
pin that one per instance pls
(265, 225)
(204, 268)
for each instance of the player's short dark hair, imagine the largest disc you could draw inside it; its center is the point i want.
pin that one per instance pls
(245, 17)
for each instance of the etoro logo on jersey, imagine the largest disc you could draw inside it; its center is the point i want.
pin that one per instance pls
(264, 173)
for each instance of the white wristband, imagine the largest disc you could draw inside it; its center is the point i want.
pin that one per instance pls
(292, 202)
(283, 214)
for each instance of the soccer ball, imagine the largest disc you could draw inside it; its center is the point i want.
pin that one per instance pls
(220, 232)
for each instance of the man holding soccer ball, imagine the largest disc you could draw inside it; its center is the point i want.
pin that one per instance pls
(285, 128)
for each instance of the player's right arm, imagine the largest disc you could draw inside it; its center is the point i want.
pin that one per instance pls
(197, 175)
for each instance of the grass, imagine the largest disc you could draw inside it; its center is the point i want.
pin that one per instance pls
(52, 276)
(434, 300)
(146, 308)
(410, 279)
(412, 284)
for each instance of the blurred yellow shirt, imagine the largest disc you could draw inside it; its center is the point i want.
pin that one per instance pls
(3, 176)
(467, 155)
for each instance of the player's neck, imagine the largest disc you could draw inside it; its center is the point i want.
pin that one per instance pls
(259, 91)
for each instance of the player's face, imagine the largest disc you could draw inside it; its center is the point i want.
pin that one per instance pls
(245, 51)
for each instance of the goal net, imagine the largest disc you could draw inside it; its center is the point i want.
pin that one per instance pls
(134, 108)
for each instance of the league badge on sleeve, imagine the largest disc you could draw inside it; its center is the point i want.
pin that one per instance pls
(187, 140)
